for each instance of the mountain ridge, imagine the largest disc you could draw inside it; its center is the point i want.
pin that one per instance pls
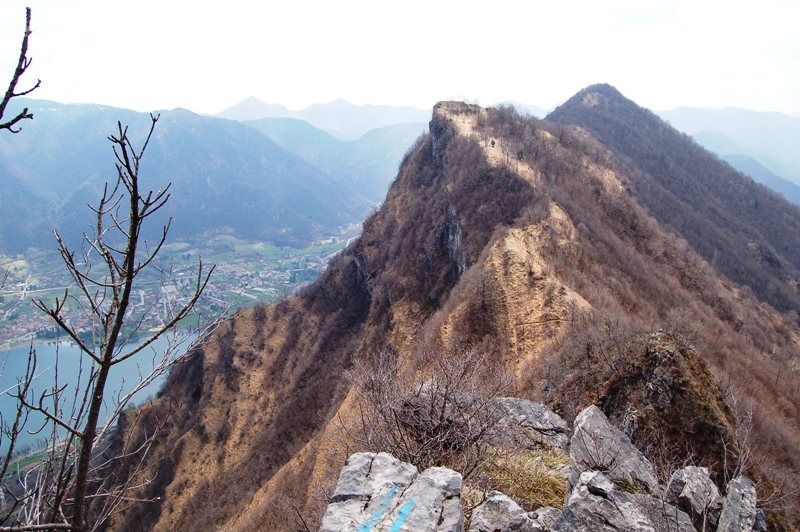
(665, 182)
(523, 239)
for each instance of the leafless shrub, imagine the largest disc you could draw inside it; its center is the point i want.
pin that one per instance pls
(445, 415)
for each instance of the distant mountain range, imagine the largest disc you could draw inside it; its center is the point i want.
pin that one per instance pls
(760, 174)
(344, 120)
(765, 146)
(340, 118)
(366, 165)
(225, 177)
(310, 170)
(533, 110)
(772, 139)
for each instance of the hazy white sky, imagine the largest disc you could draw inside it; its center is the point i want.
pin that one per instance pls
(208, 55)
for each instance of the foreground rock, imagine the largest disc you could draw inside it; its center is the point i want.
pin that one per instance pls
(498, 513)
(663, 515)
(739, 506)
(614, 488)
(692, 490)
(598, 446)
(534, 422)
(377, 492)
(596, 504)
(545, 518)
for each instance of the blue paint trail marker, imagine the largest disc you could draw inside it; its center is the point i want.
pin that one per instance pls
(370, 523)
(402, 515)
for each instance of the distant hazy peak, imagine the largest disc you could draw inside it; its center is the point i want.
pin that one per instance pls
(770, 137)
(252, 109)
(340, 118)
(533, 110)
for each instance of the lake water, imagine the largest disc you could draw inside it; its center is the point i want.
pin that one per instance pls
(121, 380)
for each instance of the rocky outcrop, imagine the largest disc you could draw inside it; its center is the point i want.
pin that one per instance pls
(598, 446)
(377, 492)
(450, 235)
(663, 515)
(597, 504)
(739, 506)
(761, 521)
(499, 513)
(692, 490)
(534, 422)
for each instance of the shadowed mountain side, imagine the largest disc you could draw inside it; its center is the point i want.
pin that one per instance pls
(739, 158)
(364, 166)
(747, 232)
(225, 177)
(516, 238)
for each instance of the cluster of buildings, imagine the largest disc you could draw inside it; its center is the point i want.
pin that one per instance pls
(231, 287)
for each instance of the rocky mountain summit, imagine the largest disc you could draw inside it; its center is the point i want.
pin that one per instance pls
(613, 487)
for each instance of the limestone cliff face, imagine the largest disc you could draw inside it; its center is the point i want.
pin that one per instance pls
(510, 233)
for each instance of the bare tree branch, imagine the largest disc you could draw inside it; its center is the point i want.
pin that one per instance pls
(22, 65)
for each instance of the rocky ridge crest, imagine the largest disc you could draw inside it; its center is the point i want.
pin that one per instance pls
(613, 488)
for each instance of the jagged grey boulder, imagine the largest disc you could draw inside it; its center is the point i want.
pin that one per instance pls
(738, 507)
(598, 446)
(692, 490)
(498, 513)
(534, 422)
(431, 503)
(367, 484)
(596, 504)
(378, 493)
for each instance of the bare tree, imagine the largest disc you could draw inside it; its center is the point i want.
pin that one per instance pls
(104, 273)
(73, 471)
(22, 65)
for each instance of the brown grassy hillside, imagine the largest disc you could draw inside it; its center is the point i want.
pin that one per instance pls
(527, 241)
